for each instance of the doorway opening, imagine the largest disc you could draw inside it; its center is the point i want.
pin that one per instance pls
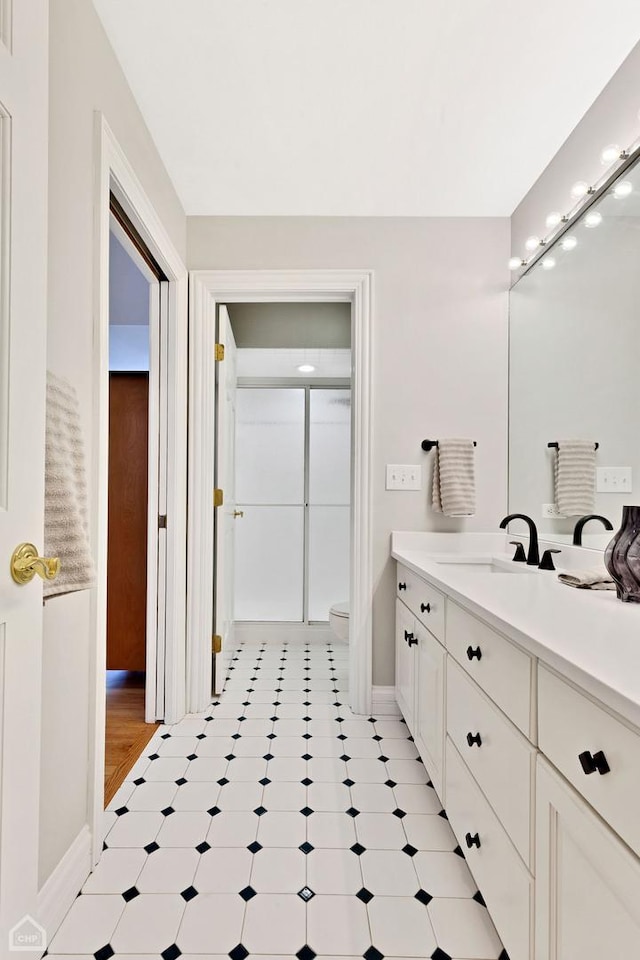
(209, 289)
(283, 471)
(135, 565)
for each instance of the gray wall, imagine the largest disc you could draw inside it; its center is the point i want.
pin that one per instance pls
(84, 77)
(291, 324)
(613, 118)
(440, 351)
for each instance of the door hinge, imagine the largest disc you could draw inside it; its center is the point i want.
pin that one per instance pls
(162, 521)
(219, 351)
(216, 644)
(218, 497)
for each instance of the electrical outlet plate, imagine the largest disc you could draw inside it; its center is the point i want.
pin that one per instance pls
(550, 512)
(404, 476)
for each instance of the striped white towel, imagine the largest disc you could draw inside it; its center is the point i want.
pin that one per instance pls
(454, 482)
(575, 477)
(65, 492)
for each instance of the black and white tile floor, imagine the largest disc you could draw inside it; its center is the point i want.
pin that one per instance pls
(278, 825)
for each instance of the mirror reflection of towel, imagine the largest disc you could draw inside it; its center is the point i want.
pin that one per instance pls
(575, 477)
(66, 532)
(454, 482)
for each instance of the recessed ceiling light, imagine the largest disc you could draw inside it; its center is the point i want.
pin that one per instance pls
(306, 368)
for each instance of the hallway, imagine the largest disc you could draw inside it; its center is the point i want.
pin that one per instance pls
(278, 825)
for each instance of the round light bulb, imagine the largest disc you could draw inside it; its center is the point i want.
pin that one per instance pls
(568, 243)
(622, 189)
(610, 154)
(593, 219)
(532, 242)
(515, 263)
(553, 219)
(580, 189)
(548, 263)
(306, 368)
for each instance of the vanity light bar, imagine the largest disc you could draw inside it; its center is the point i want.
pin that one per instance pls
(618, 161)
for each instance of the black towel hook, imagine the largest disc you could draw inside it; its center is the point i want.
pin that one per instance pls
(430, 444)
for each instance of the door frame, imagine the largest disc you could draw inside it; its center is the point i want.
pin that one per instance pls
(208, 288)
(114, 174)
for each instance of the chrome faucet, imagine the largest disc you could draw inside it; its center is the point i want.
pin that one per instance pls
(577, 533)
(533, 556)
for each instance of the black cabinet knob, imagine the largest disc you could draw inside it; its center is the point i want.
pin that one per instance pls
(474, 738)
(412, 640)
(474, 652)
(472, 841)
(402, 586)
(425, 607)
(592, 762)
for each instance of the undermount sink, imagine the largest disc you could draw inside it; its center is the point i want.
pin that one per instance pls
(485, 565)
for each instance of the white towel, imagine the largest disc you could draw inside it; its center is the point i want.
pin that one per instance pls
(65, 506)
(575, 477)
(454, 483)
(596, 579)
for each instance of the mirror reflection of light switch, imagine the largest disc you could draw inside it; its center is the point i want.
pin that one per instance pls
(613, 479)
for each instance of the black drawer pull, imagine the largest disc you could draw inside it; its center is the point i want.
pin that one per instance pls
(472, 841)
(474, 652)
(406, 636)
(402, 586)
(425, 608)
(592, 762)
(412, 640)
(471, 739)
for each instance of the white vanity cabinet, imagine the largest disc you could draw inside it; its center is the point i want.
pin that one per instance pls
(541, 781)
(587, 880)
(420, 669)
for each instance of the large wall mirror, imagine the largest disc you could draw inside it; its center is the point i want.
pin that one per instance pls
(575, 361)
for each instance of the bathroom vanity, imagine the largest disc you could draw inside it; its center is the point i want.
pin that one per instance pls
(523, 698)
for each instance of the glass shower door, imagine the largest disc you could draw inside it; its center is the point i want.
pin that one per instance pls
(329, 500)
(270, 489)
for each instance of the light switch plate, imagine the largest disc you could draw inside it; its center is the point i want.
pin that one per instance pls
(404, 476)
(613, 479)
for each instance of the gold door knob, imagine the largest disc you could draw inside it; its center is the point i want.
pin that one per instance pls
(25, 563)
(238, 513)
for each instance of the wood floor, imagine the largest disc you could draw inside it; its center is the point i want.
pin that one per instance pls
(127, 734)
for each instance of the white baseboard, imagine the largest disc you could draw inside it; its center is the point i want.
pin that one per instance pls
(62, 887)
(383, 702)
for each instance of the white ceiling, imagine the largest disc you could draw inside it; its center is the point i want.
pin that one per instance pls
(364, 107)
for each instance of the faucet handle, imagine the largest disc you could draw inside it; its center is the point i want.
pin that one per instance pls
(519, 556)
(547, 560)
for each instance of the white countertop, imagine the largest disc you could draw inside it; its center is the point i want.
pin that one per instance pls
(589, 636)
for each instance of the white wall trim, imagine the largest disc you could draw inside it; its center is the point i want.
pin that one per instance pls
(114, 172)
(208, 289)
(62, 887)
(383, 702)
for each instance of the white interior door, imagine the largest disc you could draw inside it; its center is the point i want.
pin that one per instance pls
(226, 515)
(23, 266)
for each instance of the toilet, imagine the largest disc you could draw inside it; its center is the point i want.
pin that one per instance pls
(339, 620)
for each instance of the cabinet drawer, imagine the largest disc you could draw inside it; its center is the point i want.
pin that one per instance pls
(500, 668)
(570, 724)
(504, 881)
(499, 757)
(423, 600)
